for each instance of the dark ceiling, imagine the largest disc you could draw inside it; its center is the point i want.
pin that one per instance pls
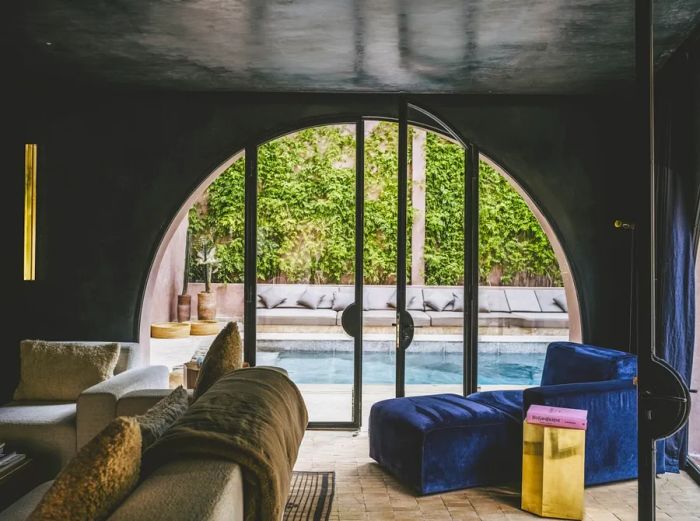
(418, 46)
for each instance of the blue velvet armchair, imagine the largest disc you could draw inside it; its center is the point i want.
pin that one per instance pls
(599, 380)
(446, 442)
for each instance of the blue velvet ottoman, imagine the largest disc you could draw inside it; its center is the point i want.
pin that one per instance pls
(445, 442)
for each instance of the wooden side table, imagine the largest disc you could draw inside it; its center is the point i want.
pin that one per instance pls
(19, 481)
(191, 370)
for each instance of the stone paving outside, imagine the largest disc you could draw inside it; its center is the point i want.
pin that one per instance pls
(365, 492)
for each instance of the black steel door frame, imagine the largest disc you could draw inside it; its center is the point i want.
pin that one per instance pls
(352, 323)
(404, 322)
(353, 317)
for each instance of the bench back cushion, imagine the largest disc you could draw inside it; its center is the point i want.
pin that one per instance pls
(569, 362)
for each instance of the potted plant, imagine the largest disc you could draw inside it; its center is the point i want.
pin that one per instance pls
(184, 300)
(206, 300)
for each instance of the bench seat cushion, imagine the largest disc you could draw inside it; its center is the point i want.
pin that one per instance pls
(444, 442)
(296, 317)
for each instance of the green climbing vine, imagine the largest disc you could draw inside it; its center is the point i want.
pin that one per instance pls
(306, 215)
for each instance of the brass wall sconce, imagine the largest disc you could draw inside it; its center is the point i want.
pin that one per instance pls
(30, 212)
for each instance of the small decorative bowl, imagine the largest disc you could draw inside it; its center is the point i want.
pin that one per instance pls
(205, 327)
(170, 330)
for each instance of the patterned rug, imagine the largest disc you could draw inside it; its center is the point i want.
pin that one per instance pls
(310, 496)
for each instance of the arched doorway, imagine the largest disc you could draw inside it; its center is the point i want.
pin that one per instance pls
(309, 201)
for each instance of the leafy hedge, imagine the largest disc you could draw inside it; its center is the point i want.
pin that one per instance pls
(306, 220)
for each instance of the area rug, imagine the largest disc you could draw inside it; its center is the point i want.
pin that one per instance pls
(310, 496)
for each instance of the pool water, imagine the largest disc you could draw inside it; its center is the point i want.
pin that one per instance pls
(421, 368)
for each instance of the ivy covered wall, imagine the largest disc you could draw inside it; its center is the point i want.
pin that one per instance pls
(306, 205)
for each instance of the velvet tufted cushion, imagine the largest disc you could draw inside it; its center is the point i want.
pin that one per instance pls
(568, 362)
(444, 442)
(509, 402)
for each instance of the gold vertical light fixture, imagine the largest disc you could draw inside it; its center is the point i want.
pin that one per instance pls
(29, 212)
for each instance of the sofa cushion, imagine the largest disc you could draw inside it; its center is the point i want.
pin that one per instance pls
(329, 293)
(522, 300)
(379, 317)
(61, 371)
(420, 318)
(162, 415)
(496, 299)
(561, 303)
(438, 299)
(546, 297)
(311, 298)
(207, 489)
(411, 297)
(98, 479)
(539, 320)
(273, 296)
(225, 355)
(446, 318)
(377, 297)
(44, 430)
(569, 362)
(139, 401)
(296, 317)
(343, 299)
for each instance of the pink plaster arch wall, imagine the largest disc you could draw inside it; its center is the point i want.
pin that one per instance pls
(152, 296)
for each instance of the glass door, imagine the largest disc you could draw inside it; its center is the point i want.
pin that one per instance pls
(436, 343)
(303, 208)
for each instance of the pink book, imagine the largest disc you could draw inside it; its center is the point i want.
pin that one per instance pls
(557, 417)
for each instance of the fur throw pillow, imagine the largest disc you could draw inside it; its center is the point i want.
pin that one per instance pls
(98, 478)
(63, 370)
(156, 420)
(224, 355)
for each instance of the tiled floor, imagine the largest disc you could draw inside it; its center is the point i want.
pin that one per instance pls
(365, 492)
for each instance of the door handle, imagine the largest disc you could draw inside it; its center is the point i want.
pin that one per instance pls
(405, 330)
(351, 320)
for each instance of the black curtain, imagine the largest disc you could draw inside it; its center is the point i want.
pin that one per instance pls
(676, 202)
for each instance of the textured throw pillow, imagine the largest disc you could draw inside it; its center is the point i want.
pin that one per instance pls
(342, 300)
(273, 297)
(224, 355)
(410, 300)
(311, 298)
(156, 420)
(61, 371)
(438, 300)
(98, 478)
(459, 303)
(561, 302)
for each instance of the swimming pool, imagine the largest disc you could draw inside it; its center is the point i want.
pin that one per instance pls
(316, 367)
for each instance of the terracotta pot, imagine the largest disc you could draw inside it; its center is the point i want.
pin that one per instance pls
(206, 306)
(184, 308)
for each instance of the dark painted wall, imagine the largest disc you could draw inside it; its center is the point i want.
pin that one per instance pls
(114, 168)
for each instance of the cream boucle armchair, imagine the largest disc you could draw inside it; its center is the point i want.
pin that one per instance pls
(53, 431)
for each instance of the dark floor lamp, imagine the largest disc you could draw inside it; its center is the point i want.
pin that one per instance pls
(630, 227)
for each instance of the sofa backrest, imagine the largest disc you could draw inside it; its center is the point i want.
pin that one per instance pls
(491, 299)
(569, 362)
(293, 292)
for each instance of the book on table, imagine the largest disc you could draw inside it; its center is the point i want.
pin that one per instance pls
(10, 461)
